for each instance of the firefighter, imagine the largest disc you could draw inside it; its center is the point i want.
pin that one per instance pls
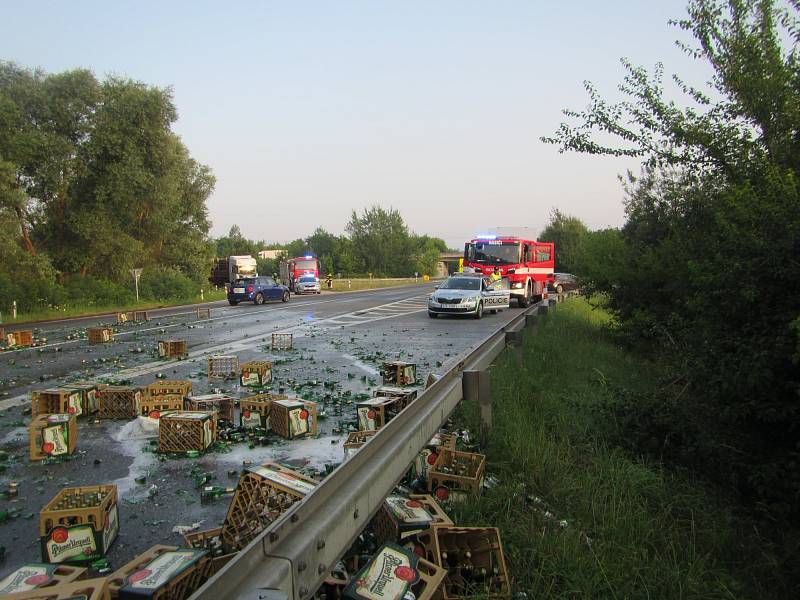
(329, 280)
(495, 276)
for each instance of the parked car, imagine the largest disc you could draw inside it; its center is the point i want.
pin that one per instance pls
(564, 282)
(468, 294)
(307, 284)
(257, 290)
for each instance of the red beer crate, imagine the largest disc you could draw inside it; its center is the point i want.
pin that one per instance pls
(56, 400)
(184, 431)
(35, 576)
(161, 573)
(221, 403)
(406, 573)
(100, 335)
(456, 474)
(292, 419)
(119, 402)
(255, 373)
(399, 373)
(52, 435)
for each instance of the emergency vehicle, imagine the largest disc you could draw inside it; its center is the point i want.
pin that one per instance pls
(292, 269)
(527, 264)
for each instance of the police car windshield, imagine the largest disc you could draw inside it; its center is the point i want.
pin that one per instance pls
(308, 279)
(462, 283)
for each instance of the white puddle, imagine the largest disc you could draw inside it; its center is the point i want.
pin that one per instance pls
(130, 439)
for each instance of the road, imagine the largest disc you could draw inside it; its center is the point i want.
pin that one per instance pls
(340, 340)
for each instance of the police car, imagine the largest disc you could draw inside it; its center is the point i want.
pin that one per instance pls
(468, 294)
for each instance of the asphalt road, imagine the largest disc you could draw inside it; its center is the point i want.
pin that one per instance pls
(340, 341)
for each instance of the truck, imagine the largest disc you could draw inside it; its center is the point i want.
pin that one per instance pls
(230, 269)
(527, 264)
(292, 268)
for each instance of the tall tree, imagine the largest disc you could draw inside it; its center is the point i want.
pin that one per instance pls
(568, 234)
(380, 241)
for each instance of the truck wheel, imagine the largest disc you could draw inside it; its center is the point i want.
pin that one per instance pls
(559, 289)
(525, 301)
(285, 297)
(479, 311)
(259, 299)
(233, 302)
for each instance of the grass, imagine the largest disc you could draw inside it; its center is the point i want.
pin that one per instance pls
(341, 285)
(579, 517)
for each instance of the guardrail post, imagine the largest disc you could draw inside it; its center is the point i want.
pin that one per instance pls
(477, 387)
(543, 309)
(514, 341)
(532, 322)
(552, 304)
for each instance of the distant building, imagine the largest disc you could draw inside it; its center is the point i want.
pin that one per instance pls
(273, 254)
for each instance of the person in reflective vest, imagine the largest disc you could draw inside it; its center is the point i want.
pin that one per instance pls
(495, 276)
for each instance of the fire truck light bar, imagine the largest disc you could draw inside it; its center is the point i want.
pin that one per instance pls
(308, 256)
(485, 236)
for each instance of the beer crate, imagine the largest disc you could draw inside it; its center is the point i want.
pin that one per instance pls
(185, 430)
(123, 317)
(225, 367)
(292, 419)
(203, 313)
(79, 524)
(473, 558)
(394, 390)
(376, 412)
(33, 576)
(56, 400)
(52, 435)
(354, 441)
(210, 540)
(155, 406)
(100, 335)
(399, 373)
(88, 391)
(430, 453)
(119, 402)
(173, 349)
(456, 474)
(161, 573)
(282, 341)
(140, 315)
(82, 589)
(221, 403)
(262, 495)
(254, 410)
(21, 338)
(255, 373)
(169, 387)
(401, 518)
(407, 572)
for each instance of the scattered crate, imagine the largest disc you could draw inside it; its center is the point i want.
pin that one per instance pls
(401, 518)
(140, 315)
(399, 373)
(184, 431)
(392, 573)
(123, 317)
(56, 400)
(263, 494)
(203, 313)
(456, 474)
(100, 335)
(282, 341)
(354, 441)
(226, 367)
(254, 410)
(155, 406)
(256, 373)
(35, 576)
(210, 540)
(79, 524)
(161, 573)
(376, 412)
(220, 403)
(393, 390)
(84, 589)
(173, 349)
(119, 402)
(169, 387)
(292, 419)
(22, 338)
(88, 392)
(430, 453)
(52, 435)
(474, 559)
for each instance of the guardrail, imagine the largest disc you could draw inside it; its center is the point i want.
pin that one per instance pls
(291, 558)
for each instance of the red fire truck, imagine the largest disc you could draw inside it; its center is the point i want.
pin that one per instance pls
(293, 268)
(527, 265)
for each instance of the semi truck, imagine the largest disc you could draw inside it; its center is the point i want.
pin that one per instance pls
(232, 268)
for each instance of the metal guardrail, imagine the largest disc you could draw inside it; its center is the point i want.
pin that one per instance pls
(291, 558)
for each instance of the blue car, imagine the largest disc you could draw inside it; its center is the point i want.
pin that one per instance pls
(257, 290)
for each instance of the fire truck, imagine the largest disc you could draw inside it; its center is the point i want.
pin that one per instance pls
(527, 265)
(292, 268)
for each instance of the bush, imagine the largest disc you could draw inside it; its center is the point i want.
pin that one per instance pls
(166, 284)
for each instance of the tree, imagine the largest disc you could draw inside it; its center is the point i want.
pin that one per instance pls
(567, 233)
(380, 241)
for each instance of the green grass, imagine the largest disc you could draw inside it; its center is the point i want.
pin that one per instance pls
(341, 285)
(580, 518)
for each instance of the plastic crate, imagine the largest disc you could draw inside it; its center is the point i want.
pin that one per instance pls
(354, 441)
(376, 412)
(22, 338)
(430, 453)
(161, 573)
(185, 430)
(254, 410)
(220, 403)
(456, 474)
(255, 373)
(210, 540)
(35, 576)
(262, 495)
(395, 390)
(282, 341)
(140, 315)
(155, 406)
(401, 518)
(392, 573)
(56, 400)
(100, 335)
(119, 402)
(203, 313)
(173, 349)
(164, 387)
(221, 366)
(79, 524)
(88, 391)
(84, 589)
(292, 419)
(399, 373)
(123, 317)
(52, 435)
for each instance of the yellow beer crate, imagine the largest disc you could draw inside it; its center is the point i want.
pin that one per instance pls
(52, 435)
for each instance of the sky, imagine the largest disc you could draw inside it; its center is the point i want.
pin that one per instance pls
(306, 111)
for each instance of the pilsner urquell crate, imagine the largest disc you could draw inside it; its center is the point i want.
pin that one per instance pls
(399, 373)
(474, 559)
(119, 402)
(254, 410)
(35, 576)
(255, 373)
(376, 412)
(56, 400)
(52, 435)
(155, 406)
(430, 453)
(456, 474)
(161, 573)
(292, 419)
(354, 441)
(185, 430)
(88, 391)
(82, 589)
(141, 315)
(164, 387)
(203, 313)
(173, 349)
(21, 338)
(263, 494)
(401, 518)
(223, 366)
(210, 540)
(79, 524)
(392, 573)
(221, 403)
(100, 335)
(282, 341)
(395, 390)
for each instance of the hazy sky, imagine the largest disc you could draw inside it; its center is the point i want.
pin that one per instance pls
(306, 110)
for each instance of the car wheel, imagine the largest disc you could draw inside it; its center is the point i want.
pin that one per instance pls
(285, 297)
(432, 315)
(233, 302)
(259, 299)
(525, 301)
(479, 311)
(560, 289)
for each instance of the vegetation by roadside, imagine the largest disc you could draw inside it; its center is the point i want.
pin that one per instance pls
(579, 516)
(344, 284)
